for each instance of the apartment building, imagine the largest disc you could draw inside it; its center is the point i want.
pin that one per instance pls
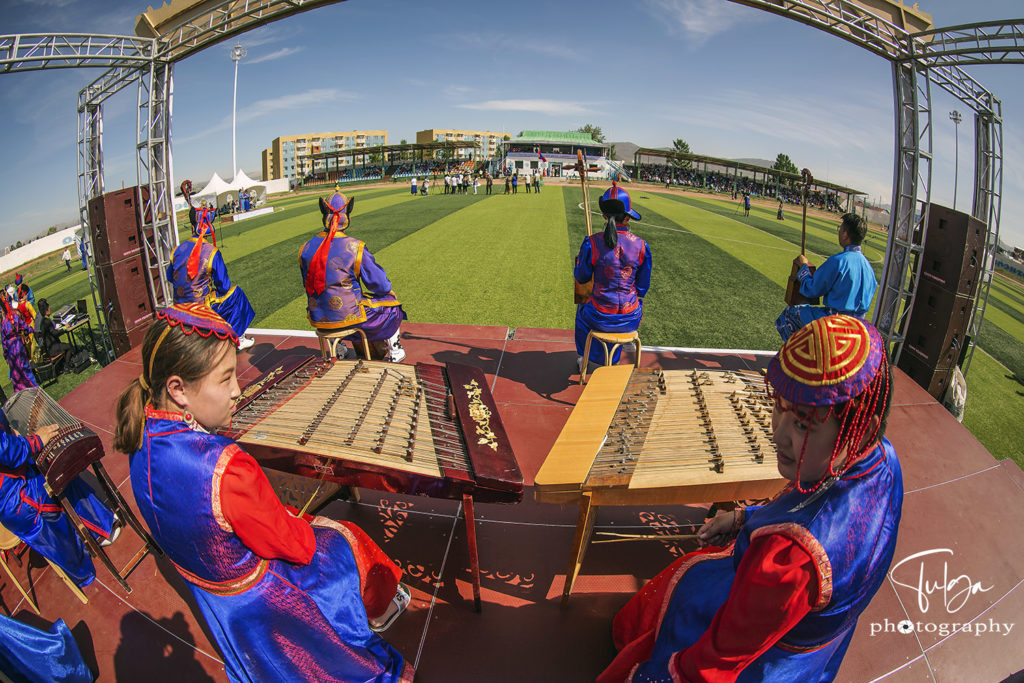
(489, 141)
(290, 156)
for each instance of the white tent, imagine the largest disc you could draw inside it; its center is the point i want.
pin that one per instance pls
(243, 182)
(220, 193)
(213, 189)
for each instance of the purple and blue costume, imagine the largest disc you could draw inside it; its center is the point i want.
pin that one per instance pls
(197, 274)
(284, 599)
(782, 601)
(13, 330)
(621, 275)
(344, 284)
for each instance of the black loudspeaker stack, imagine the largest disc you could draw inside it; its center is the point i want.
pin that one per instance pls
(114, 220)
(937, 328)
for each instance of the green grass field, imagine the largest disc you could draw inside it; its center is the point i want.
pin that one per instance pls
(718, 281)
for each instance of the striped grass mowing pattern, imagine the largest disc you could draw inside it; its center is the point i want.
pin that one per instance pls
(718, 277)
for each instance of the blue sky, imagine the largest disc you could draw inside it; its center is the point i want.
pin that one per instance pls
(730, 80)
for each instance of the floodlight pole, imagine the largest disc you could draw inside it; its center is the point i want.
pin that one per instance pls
(956, 118)
(237, 52)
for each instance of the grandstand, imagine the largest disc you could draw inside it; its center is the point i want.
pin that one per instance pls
(550, 152)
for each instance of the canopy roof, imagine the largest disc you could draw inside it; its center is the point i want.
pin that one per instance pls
(556, 137)
(215, 186)
(243, 182)
(669, 154)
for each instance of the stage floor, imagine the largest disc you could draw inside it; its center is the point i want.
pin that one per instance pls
(957, 498)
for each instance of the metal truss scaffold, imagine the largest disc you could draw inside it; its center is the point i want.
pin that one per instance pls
(36, 51)
(156, 177)
(919, 58)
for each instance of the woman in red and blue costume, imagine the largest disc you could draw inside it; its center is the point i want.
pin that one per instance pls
(345, 285)
(197, 273)
(28, 511)
(13, 331)
(780, 600)
(620, 264)
(286, 597)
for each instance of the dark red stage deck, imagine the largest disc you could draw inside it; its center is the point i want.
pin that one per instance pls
(957, 497)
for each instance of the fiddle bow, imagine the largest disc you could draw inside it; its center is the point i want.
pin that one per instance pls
(582, 291)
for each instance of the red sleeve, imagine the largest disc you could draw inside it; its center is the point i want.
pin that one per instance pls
(776, 584)
(258, 518)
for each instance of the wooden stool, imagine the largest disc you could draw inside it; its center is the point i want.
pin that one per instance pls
(610, 341)
(329, 341)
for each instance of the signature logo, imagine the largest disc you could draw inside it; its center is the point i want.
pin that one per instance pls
(954, 592)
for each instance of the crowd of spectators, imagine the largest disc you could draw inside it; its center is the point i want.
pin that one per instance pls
(715, 181)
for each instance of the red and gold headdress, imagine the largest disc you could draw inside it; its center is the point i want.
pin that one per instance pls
(837, 366)
(192, 318)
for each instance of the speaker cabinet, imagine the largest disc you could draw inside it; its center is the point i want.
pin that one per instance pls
(953, 250)
(933, 379)
(124, 293)
(124, 341)
(937, 326)
(114, 223)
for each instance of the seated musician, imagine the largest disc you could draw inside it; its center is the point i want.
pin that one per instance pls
(345, 285)
(620, 264)
(780, 601)
(28, 511)
(845, 282)
(198, 274)
(286, 597)
(49, 341)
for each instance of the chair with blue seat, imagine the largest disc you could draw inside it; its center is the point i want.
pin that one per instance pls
(610, 341)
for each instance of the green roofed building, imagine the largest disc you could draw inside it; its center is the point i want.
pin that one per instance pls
(551, 150)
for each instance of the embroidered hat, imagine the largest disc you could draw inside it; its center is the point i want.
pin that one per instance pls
(615, 201)
(827, 362)
(197, 318)
(336, 205)
(335, 210)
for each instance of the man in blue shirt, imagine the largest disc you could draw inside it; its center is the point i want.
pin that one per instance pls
(845, 282)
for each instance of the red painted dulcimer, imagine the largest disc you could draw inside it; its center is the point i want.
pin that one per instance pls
(415, 429)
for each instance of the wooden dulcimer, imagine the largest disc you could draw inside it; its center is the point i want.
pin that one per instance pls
(793, 295)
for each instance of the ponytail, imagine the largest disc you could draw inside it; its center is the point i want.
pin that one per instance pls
(611, 233)
(131, 409)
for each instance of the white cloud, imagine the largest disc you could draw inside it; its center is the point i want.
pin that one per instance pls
(699, 20)
(553, 107)
(276, 54)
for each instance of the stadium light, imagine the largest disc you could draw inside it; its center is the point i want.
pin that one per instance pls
(956, 118)
(237, 52)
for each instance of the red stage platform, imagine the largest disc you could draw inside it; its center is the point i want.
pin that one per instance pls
(957, 498)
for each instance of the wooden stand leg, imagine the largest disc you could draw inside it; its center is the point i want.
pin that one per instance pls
(123, 511)
(584, 528)
(71, 584)
(474, 559)
(94, 548)
(17, 584)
